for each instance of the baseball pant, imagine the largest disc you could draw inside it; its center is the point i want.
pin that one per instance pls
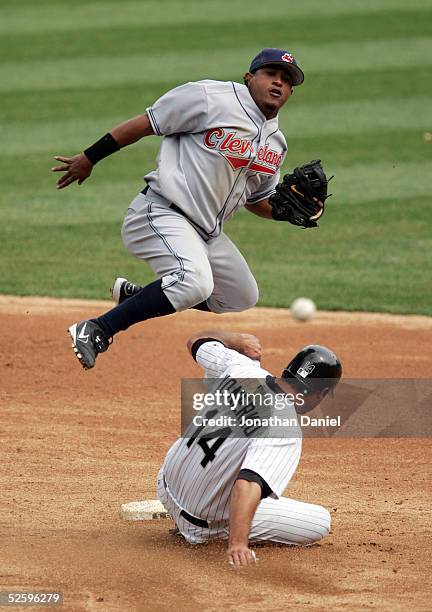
(192, 270)
(282, 520)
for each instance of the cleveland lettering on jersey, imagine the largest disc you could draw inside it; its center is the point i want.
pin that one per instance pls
(221, 141)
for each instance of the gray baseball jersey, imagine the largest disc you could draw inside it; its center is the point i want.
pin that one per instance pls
(199, 479)
(219, 151)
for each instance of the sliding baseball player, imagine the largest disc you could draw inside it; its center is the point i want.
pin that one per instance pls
(221, 480)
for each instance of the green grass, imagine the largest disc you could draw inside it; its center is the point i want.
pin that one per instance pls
(128, 40)
(70, 72)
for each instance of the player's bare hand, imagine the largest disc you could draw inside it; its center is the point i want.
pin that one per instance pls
(239, 555)
(249, 345)
(76, 168)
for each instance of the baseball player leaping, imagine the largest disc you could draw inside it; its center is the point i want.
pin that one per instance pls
(227, 483)
(222, 149)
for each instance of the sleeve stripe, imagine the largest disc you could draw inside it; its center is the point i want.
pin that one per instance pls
(153, 121)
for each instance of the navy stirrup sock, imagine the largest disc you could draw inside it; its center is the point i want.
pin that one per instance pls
(147, 303)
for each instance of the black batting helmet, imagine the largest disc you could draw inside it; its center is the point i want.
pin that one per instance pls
(314, 368)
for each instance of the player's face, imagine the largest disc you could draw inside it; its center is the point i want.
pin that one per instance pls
(311, 401)
(303, 402)
(270, 87)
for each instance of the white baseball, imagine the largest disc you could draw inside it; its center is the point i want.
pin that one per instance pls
(303, 309)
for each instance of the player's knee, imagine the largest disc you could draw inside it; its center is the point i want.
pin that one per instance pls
(132, 243)
(247, 297)
(131, 233)
(251, 295)
(199, 288)
(125, 236)
(324, 524)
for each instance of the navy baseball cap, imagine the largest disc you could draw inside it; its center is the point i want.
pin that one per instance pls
(281, 58)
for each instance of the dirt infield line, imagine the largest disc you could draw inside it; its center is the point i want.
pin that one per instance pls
(10, 304)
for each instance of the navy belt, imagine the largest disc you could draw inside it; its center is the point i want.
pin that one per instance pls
(172, 205)
(194, 520)
(204, 235)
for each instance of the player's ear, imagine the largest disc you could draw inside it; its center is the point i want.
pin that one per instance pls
(247, 77)
(324, 393)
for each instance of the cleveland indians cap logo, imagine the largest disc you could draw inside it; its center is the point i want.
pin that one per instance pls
(287, 57)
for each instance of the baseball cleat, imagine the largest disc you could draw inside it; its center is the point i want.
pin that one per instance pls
(88, 340)
(123, 289)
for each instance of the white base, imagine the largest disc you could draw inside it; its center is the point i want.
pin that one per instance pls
(146, 510)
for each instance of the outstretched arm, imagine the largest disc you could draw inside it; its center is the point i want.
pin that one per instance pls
(79, 167)
(246, 344)
(132, 130)
(244, 500)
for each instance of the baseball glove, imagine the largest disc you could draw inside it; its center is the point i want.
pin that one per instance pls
(300, 197)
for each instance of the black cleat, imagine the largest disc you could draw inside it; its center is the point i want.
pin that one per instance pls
(123, 289)
(88, 340)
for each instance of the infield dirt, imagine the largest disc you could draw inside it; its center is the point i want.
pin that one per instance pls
(76, 444)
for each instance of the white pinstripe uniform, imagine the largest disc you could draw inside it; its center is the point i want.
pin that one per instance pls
(218, 153)
(202, 489)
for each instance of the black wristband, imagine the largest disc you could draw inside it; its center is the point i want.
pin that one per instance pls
(201, 341)
(102, 148)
